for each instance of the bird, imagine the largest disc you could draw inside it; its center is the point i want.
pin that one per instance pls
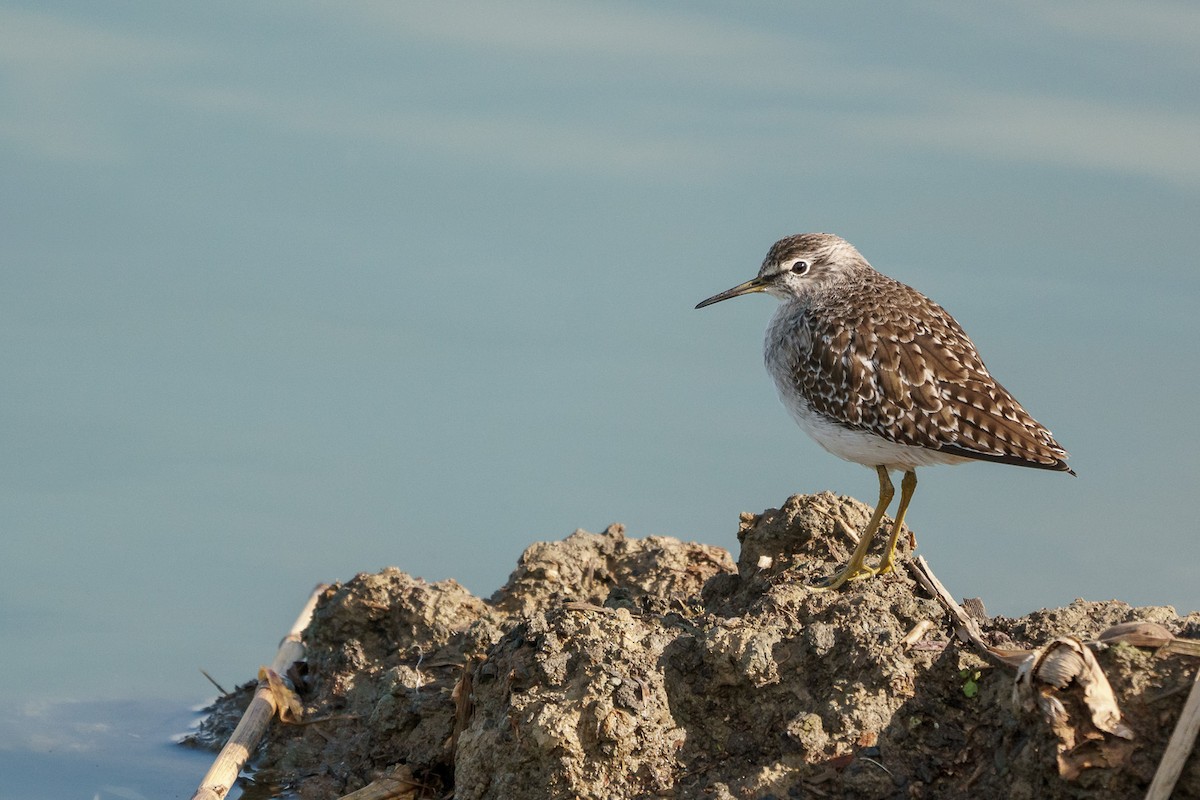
(880, 375)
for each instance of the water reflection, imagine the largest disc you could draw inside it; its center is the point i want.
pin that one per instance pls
(104, 750)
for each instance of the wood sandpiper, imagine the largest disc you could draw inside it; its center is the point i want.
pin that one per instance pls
(880, 375)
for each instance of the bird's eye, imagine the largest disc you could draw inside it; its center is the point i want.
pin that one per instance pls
(799, 266)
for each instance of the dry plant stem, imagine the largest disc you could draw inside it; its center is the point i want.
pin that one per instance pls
(213, 681)
(1183, 647)
(918, 632)
(965, 628)
(229, 762)
(464, 705)
(1183, 739)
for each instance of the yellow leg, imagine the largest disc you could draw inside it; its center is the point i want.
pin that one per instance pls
(857, 568)
(907, 487)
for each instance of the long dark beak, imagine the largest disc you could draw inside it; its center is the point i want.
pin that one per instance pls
(750, 286)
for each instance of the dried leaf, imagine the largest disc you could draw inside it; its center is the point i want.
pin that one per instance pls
(397, 784)
(1097, 752)
(287, 703)
(464, 703)
(1012, 656)
(1060, 665)
(1138, 634)
(1049, 672)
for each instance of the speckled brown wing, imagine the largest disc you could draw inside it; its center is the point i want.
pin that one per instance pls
(901, 367)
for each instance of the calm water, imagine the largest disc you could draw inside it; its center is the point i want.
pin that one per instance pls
(293, 291)
(116, 750)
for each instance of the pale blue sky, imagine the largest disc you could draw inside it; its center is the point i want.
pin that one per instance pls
(294, 290)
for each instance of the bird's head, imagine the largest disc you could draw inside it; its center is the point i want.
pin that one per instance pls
(795, 265)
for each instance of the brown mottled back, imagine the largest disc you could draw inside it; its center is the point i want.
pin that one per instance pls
(875, 355)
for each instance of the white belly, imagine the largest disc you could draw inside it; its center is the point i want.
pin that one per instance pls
(858, 446)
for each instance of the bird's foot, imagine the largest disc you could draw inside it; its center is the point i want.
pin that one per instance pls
(852, 572)
(887, 564)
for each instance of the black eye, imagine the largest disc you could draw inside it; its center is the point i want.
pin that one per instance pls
(800, 267)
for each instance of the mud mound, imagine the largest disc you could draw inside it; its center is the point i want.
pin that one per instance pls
(611, 667)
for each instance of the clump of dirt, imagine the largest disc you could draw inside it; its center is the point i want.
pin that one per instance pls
(611, 667)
